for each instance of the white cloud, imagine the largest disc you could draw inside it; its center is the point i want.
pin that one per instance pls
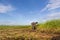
(8, 23)
(52, 4)
(6, 8)
(51, 7)
(54, 14)
(51, 16)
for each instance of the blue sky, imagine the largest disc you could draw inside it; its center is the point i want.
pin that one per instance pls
(23, 12)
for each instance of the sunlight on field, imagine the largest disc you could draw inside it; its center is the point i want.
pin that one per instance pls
(44, 31)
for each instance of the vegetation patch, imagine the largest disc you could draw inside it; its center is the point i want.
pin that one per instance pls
(44, 31)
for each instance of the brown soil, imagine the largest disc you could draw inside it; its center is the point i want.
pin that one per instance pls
(28, 34)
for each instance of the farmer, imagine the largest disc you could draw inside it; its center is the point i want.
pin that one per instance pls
(34, 24)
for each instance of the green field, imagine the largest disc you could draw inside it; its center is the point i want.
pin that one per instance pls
(44, 31)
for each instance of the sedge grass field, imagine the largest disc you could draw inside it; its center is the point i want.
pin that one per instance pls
(44, 31)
